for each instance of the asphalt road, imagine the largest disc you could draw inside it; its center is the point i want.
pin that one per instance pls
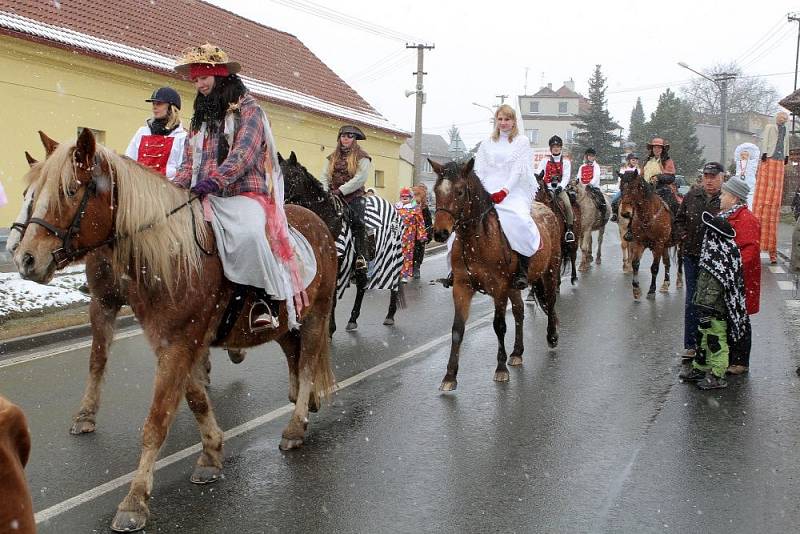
(597, 435)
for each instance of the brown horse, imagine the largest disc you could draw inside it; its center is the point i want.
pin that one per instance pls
(569, 251)
(592, 220)
(16, 508)
(107, 298)
(88, 197)
(483, 261)
(649, 226)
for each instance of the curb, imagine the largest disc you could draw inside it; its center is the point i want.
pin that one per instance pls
(18, 344)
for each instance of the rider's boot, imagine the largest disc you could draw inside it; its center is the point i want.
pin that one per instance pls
(569, 235)
(360, 245)
(520, 280)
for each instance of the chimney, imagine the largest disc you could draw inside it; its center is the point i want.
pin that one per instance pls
(570, 84)
(550, 86)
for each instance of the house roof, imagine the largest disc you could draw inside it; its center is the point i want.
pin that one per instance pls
(276, 65)
(432, 145)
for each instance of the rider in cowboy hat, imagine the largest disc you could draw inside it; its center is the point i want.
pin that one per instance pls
(658, 160)
(555, 172)
(345, 175)
(230, 160)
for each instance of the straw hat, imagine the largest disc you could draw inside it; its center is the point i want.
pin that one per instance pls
(206, 54)
(657, 141)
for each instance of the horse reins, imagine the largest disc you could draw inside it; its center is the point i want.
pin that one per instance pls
(65, 254)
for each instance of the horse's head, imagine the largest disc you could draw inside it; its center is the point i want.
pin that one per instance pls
(301, 186)
(457, 193)
(69, 205)
(632, 183)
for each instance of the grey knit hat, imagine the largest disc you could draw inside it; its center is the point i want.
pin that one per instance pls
(736, 187)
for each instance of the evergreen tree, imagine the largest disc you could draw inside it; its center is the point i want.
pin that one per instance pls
(597, 129)
(674, 121)
(637, 132)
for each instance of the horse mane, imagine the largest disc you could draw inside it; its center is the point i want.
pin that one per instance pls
(453, 170)
(163, 249)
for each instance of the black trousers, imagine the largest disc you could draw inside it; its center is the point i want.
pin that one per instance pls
(740, 350)
(357, 206)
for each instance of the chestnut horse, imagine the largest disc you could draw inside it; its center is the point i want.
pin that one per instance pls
(87, 197)
(649, 226)
(16, 508)
(107, 298)
(569, 251)
(482, 260)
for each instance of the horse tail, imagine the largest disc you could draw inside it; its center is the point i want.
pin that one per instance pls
(401, 297)
(324, 381)
(539, 295)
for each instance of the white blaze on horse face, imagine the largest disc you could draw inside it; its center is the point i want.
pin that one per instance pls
(443, 188)
(39, 249)
(15, 234)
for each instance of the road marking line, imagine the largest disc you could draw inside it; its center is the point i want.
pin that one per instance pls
(63, 348)
(111, 485)
(776, 269)
(786, 285)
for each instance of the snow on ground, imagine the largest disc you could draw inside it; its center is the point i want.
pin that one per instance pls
(18, 296)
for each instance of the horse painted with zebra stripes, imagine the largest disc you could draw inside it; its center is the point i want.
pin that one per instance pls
(381, 220)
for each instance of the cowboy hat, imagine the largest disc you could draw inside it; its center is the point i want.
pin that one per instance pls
(657, 141)
(350, 129)
(207, 54)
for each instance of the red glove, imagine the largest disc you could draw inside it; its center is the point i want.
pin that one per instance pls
(498, 197)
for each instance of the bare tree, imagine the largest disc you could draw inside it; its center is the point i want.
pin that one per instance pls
(745, 93)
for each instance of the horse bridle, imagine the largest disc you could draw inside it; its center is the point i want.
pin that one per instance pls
(65, 254)
(460, 221)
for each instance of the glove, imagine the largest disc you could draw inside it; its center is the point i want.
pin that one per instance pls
(764, 156)
(205, 187)
(498, 197)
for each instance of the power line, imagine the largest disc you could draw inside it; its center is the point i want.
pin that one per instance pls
(380, 72)
(338, 17)
(776, 43)
(389, 57)
(767, 36)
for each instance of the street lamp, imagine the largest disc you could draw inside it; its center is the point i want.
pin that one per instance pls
(721, 81)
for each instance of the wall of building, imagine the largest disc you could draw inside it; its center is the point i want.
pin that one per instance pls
(58, 92)
(547, 128)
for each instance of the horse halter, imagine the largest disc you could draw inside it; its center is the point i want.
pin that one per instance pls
(461, 221)
(65, 254)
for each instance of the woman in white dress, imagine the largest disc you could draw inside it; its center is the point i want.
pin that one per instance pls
(504, 164)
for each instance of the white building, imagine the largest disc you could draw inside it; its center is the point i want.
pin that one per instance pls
(547, 113)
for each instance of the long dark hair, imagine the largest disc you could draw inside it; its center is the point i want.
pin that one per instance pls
(211, 109)
(664, 153)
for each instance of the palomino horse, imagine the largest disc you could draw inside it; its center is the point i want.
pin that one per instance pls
(108, 297)
(88, 197)
(622, 227)
(483, 261)
(569, 251)
(305, 190)
(650, 226)
(592, 220)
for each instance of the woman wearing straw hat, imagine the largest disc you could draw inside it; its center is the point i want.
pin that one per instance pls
(658, 160)
(159, 143)
(230, 159)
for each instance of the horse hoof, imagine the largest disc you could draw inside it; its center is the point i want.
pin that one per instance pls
(237, 355)
(448, 385)
(389, 321)
(352, 325)
(501, 376)
(515, 361)
(206, 474)
(651, 296)
(679, 284)
(664, 290)
(636, 294)
(128, 521)
(598, 261)
(552, 341)
(583, 268)
(288, 444)
(82, 426)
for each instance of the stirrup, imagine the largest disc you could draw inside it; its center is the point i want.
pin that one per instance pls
(262, 322)
(569, 236)
(361, 264)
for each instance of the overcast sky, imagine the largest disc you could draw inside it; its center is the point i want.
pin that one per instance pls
(484, 48)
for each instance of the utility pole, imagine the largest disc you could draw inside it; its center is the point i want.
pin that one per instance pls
(502, 98)
(793, 17)
(420, 100)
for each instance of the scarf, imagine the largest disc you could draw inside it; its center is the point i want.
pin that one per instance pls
(159, 127)
(721, 258)
(407, 205)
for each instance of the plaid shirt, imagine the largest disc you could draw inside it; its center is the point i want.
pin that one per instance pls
(243, 169)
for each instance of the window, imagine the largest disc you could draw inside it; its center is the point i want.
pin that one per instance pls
(99, 135)
(534, 107)
(379, 179)
(562, 108)
(570, 136)
(533, 136)
(426, 166)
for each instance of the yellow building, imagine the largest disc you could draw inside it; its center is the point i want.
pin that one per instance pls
(63, 68)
